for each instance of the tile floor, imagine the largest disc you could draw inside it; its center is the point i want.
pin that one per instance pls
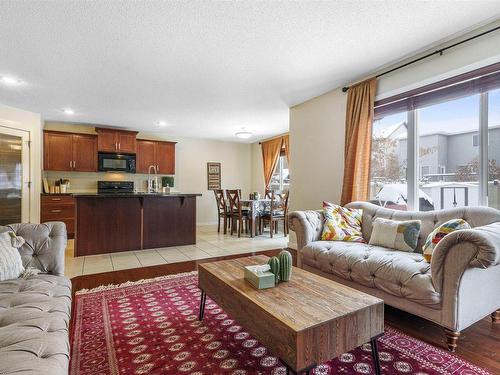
(209, 243)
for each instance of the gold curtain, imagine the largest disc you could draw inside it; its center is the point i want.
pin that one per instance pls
(270, 155)
(358, 141)
(286, 146)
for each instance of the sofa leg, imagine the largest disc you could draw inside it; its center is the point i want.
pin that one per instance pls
(495, 316)
(451, 339)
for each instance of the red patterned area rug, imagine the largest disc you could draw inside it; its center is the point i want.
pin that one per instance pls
(152, 327)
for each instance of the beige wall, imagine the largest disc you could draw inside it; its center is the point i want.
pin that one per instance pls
(192, 156)
(258, 183)
(317, 144)
(31, 123)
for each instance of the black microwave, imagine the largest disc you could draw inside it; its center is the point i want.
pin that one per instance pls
(109, 162)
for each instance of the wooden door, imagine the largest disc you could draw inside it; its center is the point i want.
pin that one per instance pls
(107, 140)
(57, 151)
(127, 142)
(84, 153)
(165, 157)
(146, 155)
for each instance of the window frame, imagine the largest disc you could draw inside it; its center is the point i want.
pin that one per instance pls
(414, 169)
(279, 171)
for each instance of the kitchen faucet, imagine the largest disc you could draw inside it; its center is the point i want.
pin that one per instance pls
(151, 188)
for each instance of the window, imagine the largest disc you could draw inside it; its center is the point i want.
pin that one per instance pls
(475, 140)
(388, 186)
(447, 154)
(426, 170)
(445, 131)
(493, 172)
(281, 177)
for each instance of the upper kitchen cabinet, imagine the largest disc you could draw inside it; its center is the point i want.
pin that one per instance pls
(146, 155)
(165, 157)
(112, 140)
(157, 153)
(69, 152)
(84, 153)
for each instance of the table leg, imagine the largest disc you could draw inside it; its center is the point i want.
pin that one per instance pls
(376, 361)
(202, 305)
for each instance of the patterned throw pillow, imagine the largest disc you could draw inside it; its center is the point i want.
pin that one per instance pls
(341, 223)
(397, 235)
(439, 233)
(11, 265)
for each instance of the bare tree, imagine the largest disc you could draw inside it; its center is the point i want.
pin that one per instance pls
(385, 164)
(470, 171)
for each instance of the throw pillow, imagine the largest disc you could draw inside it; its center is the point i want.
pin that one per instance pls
(11, 264)
(397, 235)
(341, 223)
(439, 233)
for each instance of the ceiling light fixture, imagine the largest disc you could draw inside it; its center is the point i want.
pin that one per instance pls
(68, 111)
(161, 123)
(243, 134)
(10, 81)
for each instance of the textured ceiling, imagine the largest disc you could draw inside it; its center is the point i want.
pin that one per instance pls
(207, 68)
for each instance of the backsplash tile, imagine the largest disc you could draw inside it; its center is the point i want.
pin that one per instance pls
(86, 182)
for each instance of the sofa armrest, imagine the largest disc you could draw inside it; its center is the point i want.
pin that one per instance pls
(44, 247)
(307, 225)
(478, 247)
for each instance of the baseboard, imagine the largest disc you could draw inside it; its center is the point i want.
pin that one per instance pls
(207, 223)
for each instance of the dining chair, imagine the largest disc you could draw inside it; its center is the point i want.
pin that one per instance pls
(238, 216)
(269, 193)
(278, 212)
(222, 210)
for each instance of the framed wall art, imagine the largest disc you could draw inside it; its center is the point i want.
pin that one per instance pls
(214, 175)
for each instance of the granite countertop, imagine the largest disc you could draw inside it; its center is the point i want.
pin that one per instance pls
(134, 195)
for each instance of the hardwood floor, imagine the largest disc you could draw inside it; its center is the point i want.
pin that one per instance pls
(479, 344)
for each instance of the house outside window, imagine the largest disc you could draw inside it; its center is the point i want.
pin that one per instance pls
(438, 151)
(280, 179)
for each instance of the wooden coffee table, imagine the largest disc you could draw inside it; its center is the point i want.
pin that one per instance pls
(305, 321)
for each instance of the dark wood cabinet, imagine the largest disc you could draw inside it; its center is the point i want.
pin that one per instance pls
(112, 140)
(146, 155)
(57, 151)
(59, 207)
(69, 152)
(169, 222)
(107, 224)
(84, 153)
(165, 157)
(158, 153)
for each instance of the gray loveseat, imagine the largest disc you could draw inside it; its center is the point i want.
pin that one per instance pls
(458, 288)
(35, 312)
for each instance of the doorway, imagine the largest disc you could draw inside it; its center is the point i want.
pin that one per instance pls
(14, 175)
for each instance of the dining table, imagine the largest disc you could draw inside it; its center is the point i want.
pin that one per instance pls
(255, 208)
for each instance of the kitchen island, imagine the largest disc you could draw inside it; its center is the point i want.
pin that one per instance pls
(113, 222)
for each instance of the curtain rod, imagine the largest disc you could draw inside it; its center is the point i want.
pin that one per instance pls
(276, 136)
(439, 51)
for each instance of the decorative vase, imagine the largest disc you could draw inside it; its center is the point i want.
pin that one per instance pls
(285, 259)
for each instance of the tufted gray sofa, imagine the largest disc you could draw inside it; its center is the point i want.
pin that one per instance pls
(35, 312)
(458, 288)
